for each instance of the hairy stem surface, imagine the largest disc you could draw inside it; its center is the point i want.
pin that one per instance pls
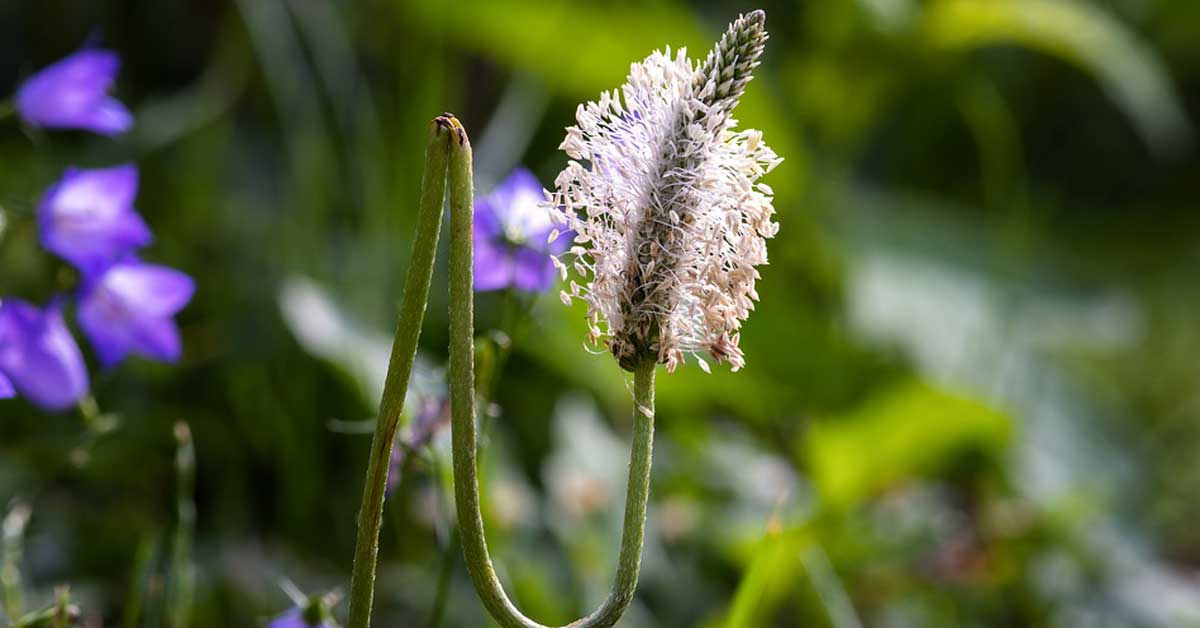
(404, 351)
(465, 433)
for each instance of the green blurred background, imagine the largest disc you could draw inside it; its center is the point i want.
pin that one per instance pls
(972, 393)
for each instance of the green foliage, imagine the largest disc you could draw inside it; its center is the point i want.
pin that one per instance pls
(970, 396)
(907, 432)
(1079, 33)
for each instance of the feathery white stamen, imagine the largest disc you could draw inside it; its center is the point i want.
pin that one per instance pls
(665, 190)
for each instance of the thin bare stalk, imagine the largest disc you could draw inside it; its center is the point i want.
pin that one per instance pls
(404, 350)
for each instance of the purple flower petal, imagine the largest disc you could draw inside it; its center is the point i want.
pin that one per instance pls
(108, 117)
(291, 619)
(559, 245)
(129, 309)
(518, 203)
(39, 356)
(295, 619)
(532, 270)
(512, 230)
(6, 388)
(493, 265)
(87, 218)
(486, 224)
(73, 94)
(157, 291)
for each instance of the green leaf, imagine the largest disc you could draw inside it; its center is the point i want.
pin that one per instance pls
(1080, 34)
(907, 431)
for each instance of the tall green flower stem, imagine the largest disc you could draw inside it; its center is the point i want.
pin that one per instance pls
(464, 438)
(442, 135)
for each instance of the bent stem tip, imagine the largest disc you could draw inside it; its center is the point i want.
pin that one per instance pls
(442, 133)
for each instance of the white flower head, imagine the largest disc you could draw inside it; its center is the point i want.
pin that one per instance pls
(662, 194)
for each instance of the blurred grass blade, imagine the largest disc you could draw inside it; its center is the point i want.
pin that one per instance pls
(829, 588)
(510, 130)
(169, 119)
(139, 581)
(183, 572)
(325, 330)
(773, 571)
(10, 569)
(1081, 34)
(320, 26)
(61, 614)
(997, 136)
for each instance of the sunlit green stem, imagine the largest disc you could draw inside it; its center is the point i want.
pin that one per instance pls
(462, 400)
(404, 350)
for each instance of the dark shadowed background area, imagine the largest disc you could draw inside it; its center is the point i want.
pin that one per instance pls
(972, 392)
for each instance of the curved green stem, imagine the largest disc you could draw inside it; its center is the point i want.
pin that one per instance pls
(464, 432)
(404, 350)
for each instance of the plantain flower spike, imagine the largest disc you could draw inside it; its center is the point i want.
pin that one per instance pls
(670, 220)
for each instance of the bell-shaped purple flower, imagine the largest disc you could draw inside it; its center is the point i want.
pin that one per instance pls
(130, 309)
(88, 219)
(512, 228)
(73, 94)
(39, 357)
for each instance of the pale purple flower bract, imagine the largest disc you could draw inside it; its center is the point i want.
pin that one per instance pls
(512, 229)
(6, 388)
(129, 309)
(39, 357)
(73, 94)
(88, 219)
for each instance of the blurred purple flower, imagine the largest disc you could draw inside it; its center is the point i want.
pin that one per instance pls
(73, 94)
(6, 388)
(512, 228)
(431, 416)
(87, 217)
(295, 619)
(38, 356)
(129, 309)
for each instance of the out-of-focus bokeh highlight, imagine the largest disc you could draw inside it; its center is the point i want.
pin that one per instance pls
(972, 392)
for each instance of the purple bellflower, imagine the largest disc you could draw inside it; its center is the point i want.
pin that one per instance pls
(130, 309)
(39, 357)
(87, 217)
(73, 94)
(512, 229)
